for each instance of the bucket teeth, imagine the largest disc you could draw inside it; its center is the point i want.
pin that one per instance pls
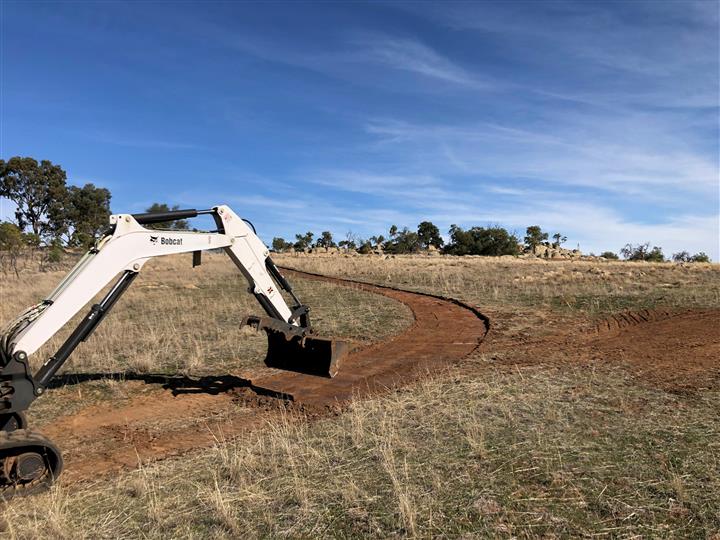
(292, 348)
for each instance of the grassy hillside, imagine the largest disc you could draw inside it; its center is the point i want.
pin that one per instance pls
(523, 442)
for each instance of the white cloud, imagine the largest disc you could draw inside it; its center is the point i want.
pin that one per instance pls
(136, 141)
(631, 155)
(416, 57)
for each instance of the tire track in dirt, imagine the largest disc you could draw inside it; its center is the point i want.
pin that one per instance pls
(102, 439)
(677, 352)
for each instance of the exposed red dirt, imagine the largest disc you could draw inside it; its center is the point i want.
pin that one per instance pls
(671, 351)
(443, 331)
(676, 352)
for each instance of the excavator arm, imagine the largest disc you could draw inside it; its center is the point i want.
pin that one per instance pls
(123, 250)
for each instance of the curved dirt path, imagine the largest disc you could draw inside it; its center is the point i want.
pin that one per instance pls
(444, 330)
(102, 439)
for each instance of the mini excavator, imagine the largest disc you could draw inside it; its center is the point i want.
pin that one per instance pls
(29, 462)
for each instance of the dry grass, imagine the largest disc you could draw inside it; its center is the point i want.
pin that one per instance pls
(475, 452)
(177, 319)
(571, 288)
(563, 453)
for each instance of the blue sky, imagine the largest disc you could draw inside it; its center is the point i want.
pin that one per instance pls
(595, 119)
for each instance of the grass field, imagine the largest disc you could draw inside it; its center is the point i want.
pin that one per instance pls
(497, 445)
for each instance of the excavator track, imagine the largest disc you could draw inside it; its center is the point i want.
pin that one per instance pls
(29, 463)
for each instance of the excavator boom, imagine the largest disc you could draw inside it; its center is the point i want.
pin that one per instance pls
(123, 250)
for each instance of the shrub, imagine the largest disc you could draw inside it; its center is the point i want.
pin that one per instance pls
(609, 255)
(642, 252)
(700, 258)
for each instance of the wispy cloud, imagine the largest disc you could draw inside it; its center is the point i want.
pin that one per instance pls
(628, 155)
(619, 47)
(356, 56)
(411, 55)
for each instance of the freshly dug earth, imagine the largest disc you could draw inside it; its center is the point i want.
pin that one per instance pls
(675, 351)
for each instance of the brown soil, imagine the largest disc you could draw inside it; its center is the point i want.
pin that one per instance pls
(674, 351)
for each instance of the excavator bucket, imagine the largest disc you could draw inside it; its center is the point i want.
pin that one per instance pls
(293, 349)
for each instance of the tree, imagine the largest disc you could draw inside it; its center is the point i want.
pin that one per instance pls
(87, 213)
(405, 241)
(534, 236)
(559, 240)
(377, 240)
(609, 255)
(642, 252)
(701, 257)
(682, 256)
(38, 190)
(176, 225)
(429, 235)
(280, 244)
(490, 241)
(393, 231)
(365, 247)
(303, 241)
(325, 240)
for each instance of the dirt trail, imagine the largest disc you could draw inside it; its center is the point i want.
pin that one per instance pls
(444, 331)
(101, 439)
